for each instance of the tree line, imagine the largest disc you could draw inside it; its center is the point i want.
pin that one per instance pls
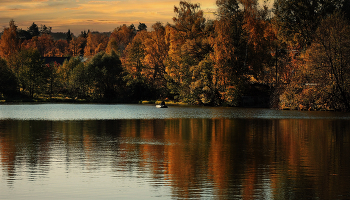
(296, 53)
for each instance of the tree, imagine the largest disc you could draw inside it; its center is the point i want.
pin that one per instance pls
(155, 53)
(142, 27)
(8, 80)
(30, 71)
(45, 45)
(24, 35)
(60, 48)
(34, 30)
(298, 20)
(120, 38)
(135, 54)
(73, 77)
(69, 36)
(51, 76)
(75, 46)
(138, 78)
(10, 43)
(95, 43)
(185, 41)
(230, 43)
(106, 72)
(321, 76)
(331, 53)
(45, 30)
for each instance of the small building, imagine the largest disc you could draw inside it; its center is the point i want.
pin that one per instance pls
(58, 60)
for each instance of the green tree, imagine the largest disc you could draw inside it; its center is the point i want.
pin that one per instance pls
(106, 72)
(8, 80)
(30, 72)
(79, 80)
(34, 30)
(73, 77)
(69, 36)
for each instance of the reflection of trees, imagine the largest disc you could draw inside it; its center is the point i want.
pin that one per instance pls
(228, 158)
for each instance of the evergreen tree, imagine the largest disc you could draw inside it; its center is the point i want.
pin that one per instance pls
(69, 36)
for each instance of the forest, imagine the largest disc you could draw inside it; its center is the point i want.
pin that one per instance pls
(295, 55)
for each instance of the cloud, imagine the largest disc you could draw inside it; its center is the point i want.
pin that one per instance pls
(91, 14)
(16, 9)
(74, 8)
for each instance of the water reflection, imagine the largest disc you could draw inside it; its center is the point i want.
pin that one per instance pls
(176, 158)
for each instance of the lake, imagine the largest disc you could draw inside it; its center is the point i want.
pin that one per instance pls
(102, 151)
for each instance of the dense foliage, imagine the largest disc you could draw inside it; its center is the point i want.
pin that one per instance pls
(295, 55)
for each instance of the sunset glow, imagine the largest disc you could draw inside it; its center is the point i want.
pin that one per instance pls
(78, 15)
(96, 15)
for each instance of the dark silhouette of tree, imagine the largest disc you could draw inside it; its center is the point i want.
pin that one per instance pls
(69, 36)
(34, 30)
(142, 27)
(298, 20)
(8, 80)
(45, 30)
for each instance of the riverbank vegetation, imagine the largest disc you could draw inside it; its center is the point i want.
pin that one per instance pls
(295, 55)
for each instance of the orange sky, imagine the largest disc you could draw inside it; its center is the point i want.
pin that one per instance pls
(96, 15)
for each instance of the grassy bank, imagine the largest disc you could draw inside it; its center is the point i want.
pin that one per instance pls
(168, 102)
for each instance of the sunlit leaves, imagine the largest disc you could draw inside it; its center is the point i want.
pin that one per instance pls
(9, 43)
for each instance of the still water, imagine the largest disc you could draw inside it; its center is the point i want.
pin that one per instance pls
(91, 151)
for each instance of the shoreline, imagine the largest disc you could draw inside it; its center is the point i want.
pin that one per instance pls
(154, 102)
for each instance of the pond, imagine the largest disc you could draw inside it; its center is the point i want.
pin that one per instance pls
(101, 151)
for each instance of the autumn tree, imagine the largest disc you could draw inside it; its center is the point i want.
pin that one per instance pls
(186, 47)
(45, 45)
(10, 43)
(75, 46)
(331, 54)
(321, 77)
(298, 20)
(230, 51)
(60, 48)
(95, 43)
(155, 53)
(139, 77)
(120, 38)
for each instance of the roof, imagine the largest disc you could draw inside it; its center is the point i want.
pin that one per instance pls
(58, 60)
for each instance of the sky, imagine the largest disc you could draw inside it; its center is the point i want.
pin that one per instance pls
(93, 15)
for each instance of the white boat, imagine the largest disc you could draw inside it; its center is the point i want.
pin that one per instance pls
(161, 106)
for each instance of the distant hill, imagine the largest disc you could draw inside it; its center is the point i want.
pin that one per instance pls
(63, 36)
(59, 35)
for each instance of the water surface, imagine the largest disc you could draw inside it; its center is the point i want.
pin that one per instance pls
(137, 111)
(56, 151)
